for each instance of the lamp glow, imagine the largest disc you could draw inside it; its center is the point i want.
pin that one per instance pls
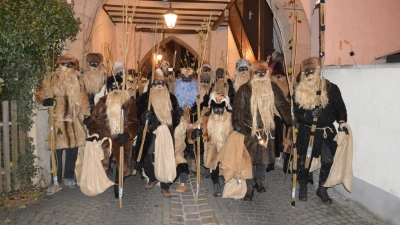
(170, 17)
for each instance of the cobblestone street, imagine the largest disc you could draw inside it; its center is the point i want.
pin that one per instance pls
(140, 206)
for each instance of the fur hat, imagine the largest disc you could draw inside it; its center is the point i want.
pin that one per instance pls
(242, 63)
(218, 100)
(207, 65)
(187, 71)
(259, 65)
(111, 81)
(159, 75)
(205, 76)
(118, 67)
(312, 62)
(68, 58)
(94, 58)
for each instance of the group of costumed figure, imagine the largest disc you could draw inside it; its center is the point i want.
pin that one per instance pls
(243, 124)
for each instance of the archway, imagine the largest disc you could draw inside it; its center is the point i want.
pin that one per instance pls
(167, 49)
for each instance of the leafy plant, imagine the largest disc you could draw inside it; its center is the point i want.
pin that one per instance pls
(32, 35)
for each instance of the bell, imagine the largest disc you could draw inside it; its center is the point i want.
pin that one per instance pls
(261, 142)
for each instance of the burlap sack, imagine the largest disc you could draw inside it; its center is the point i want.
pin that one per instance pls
(164, 158)
(235, 189)
(342, 167)
(93, 179)
(315, 164)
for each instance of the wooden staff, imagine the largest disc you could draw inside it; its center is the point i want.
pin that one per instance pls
(322, 55)
(153, 70)
(53, 148)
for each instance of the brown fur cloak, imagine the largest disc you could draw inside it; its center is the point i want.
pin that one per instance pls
(242, 119)
(99, 124)
(68, 120)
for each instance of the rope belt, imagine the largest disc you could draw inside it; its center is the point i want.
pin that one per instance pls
(324, 129)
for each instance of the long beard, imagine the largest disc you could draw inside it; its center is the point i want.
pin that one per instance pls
(68, 83)
(240, 79)
(306, 92)
(262, 101)
(161, 103)
(220, 86)
(219, 127)
(114, 102)
(94, 80)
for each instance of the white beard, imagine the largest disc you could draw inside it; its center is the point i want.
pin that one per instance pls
(262, 101)
(219, 127)
(161, 103)
(306, 92)
(114, 102)
(240, 79)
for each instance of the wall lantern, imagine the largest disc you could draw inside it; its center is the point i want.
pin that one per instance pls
(159, 57)
(170, 17)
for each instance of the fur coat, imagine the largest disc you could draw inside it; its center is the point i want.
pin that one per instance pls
(154, 123)
(98, 123)
(334, 110)
(242, 119)
(68, 118)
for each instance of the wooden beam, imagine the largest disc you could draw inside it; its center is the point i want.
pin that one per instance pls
(162, 13)
(167, 31)
(161, 18)
(105, 10)
(164, 8)
(177, 23)
(222, 16)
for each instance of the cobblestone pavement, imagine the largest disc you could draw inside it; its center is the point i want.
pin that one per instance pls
(141, 206)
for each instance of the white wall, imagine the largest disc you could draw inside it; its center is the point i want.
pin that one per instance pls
(370, 94)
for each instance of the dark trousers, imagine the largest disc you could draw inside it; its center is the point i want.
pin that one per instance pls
(326, 163)
(149, 170)
(258, 172)
(215, 175)
(69, 168)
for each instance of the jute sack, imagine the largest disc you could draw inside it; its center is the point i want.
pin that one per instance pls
(235, 189)
(164, 155)
(342, 167)
(93, 179)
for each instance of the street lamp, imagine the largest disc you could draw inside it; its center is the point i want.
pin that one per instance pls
(170, 17)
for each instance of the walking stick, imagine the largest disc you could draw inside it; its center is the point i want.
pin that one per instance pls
(53, 149)
(322, 55)
(121, 151)
(153, 70)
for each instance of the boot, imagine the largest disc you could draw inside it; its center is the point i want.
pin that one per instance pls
(249, 193)
(166, 193)
(182, 187)
(270, 167)
(303, 192)
(217, 190)
(323, 194)
(259, 185)
(150, 185)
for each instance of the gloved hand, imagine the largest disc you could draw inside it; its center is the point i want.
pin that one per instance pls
(146, 115)
(91, 139)
(123, 138)
(196, 133)
(86, 122)
(343, 128)
(316, 112)
(48, 102)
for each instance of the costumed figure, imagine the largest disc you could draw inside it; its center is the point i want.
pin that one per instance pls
(215, 131)
(253, 115)
(242, 74)
(142, 82)
(117, 71)
(207, 69)
(65, 91)
(275, 57)
(186, 92)
(282, 132)
(205, 90)
(223, 85)
(132, 83)
(169, 76)
(328, 108)
(105, 121)
(94, 76)
(162, 119)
